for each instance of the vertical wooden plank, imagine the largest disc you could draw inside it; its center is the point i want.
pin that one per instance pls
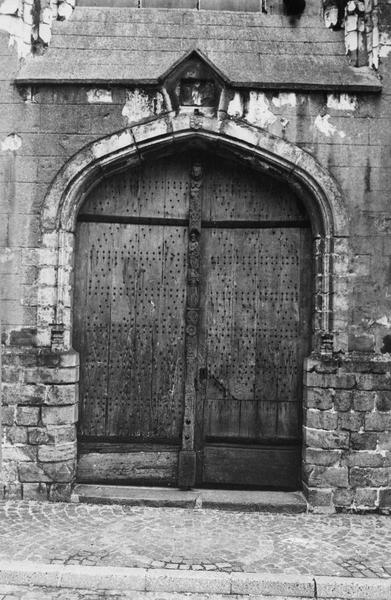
(137, 306)
(255, 310)
(91, 323)
(187, 458)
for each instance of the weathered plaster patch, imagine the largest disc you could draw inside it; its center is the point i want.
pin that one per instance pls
(322, 124)
(284, 99)
(19, 32)
(9, 7)
(116, 142)
(383, 321)
(11, 143)
(97, 96)
(342, 102)
(331, 16)
(258, 110)
(65, 10)
(236, 107)
(6, 255)
(140, 105)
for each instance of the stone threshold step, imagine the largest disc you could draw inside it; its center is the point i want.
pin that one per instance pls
(239, 500)
(224, 586)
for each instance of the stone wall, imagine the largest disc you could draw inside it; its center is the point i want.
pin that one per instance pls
(347, 415)
(39, 412)
(347, 433)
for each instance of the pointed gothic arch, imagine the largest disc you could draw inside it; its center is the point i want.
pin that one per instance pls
(239, 139)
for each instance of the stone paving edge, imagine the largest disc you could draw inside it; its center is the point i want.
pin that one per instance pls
(162, 580)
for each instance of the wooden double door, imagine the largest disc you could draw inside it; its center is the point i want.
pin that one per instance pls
(192, 319)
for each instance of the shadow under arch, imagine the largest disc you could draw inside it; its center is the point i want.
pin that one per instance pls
(236, 139)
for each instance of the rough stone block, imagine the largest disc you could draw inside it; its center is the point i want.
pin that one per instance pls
(19, 453)
(108, 578)
(319, 438)
(12, 491)
(8, 415)
(383, 401)
(385, 498)
(160, 580)
(38, 436)
(343, 497)
(370, 477)
(28, 415)
(62, 394)
(272, 584)
(56, 453)
(59, 415)
(363, 441)
(343, 400)
(350, 587)
(10, 374)
(23, 394)
(374, 381)
(35, 491)
(60, 492)
(321, 398)
(318, 497)
(62, 472)
(343, 381)
(32, 473)
(49, 375)
(384, 441)
(366, 497)
(15, 435)
(364, 401)
(321, 419)
(363, 459)
(351, 421)
(59, 434)
(326, 477)
(325, 458)
(23, 337)
(378, 421)
(69, 359)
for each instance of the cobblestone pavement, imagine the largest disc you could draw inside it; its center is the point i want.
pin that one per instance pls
(199, 539)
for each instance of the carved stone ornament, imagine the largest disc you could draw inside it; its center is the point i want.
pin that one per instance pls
(194, 84)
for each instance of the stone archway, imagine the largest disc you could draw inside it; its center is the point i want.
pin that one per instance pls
(263, 151)
(250, 145)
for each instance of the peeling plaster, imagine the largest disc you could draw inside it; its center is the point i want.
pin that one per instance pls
(107, 146)
(97, 96)
(284, 99)
(322, 124)
(383, 321)
(19, 32)
(11, 143)
(65, 10)
(140, 105)
(10, 7)
(236, 107)
(342, 102)
(331, 16)
(258, 111)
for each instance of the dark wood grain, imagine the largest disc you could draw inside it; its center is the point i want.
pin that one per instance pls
(192, 318)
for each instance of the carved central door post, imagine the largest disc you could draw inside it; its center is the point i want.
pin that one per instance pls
(187, 455)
